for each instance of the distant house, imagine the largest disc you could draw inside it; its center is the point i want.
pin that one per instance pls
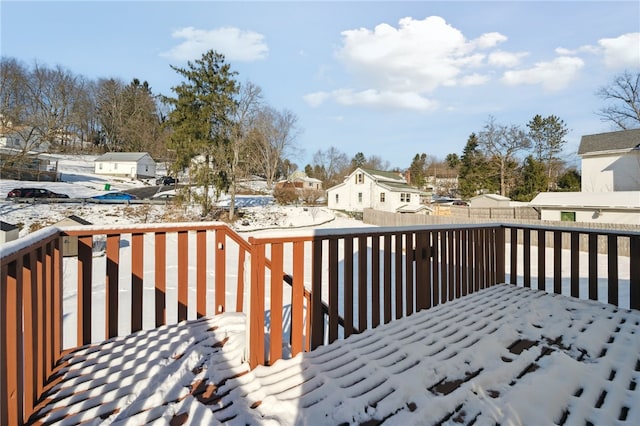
(490, 201)
(136, 165)
(8, 232)
(374, 189)
(611, 161)
(603, 207)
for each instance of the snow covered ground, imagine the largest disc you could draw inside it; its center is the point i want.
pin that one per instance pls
(79, 181)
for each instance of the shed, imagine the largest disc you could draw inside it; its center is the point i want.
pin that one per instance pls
(70, 243)
(490, 201)
(136, 165)
(8, 232)
(600, 207)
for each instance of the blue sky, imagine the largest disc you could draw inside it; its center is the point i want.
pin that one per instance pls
(385, 78)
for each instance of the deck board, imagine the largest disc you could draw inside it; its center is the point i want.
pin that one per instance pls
(495, 356)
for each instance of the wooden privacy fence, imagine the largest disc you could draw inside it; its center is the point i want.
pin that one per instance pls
(334, 283)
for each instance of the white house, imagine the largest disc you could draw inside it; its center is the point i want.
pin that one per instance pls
(136, 165)
(611, 161)
(374, 189)
(600, 207)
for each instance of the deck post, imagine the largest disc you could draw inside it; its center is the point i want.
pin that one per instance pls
(500, 253)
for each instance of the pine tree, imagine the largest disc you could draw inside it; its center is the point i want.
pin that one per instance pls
(201, 123)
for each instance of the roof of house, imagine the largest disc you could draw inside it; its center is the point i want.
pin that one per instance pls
(612, 141)
(77, 219)
(122, 156)
(614, 199)
(380, 175)
(495, 197)
(6, 227)
(408, 208)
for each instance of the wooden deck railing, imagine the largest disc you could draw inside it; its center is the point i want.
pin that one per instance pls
(335, 282)
(366, 277)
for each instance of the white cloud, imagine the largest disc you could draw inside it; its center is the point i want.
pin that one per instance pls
(622, 51)
(474, 80)
(505, 59)
(553, 76)
(233, 43)
(316, 99)
(418, 55)
(372, 98)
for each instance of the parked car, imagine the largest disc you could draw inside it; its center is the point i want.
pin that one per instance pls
(34, 193)
(166, 180)
(114, 196)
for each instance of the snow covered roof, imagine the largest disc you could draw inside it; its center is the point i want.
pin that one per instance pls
(503, 355)
(382, 176)
(407, 208)
(496, 197)
(623, 140)
(615, 199)
(122, 156)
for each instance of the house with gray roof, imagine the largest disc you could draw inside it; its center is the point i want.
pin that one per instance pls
(375, 189)
(136, 165)
(611, 161)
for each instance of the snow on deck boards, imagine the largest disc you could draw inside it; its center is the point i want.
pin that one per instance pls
(502, 355)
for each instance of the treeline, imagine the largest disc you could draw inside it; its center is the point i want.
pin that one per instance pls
(213, 127)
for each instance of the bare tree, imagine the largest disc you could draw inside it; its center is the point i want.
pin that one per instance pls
(330, 166)
(623, 97)
(274, 138)
(501, 144)
(243, 119)
(109, 110)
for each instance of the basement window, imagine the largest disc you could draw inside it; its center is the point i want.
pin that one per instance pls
(568, 216)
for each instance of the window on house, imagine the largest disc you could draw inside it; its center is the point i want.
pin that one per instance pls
(100, 166)
(360, 178)
(337, 199)
(405, 197)
(359, 197)
(115, 166)
(146, 168)
(568, 216)
(382, 197)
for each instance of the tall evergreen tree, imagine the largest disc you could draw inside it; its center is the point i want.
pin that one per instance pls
(533, 180)
(417, 170)
(202, 122)
(475, 174)
(547, 134)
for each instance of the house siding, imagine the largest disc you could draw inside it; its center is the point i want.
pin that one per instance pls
(348, 193)
(143, 168)
(606, 173)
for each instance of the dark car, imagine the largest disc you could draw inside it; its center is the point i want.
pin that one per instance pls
(166, 180)
(34, 193)
(115, 196)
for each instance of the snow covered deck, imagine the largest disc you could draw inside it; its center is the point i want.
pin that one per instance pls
(502, 355)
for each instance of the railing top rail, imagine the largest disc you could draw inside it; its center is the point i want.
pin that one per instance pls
(327, 233)
(571, 229)
(11, 250)
(142, 228)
